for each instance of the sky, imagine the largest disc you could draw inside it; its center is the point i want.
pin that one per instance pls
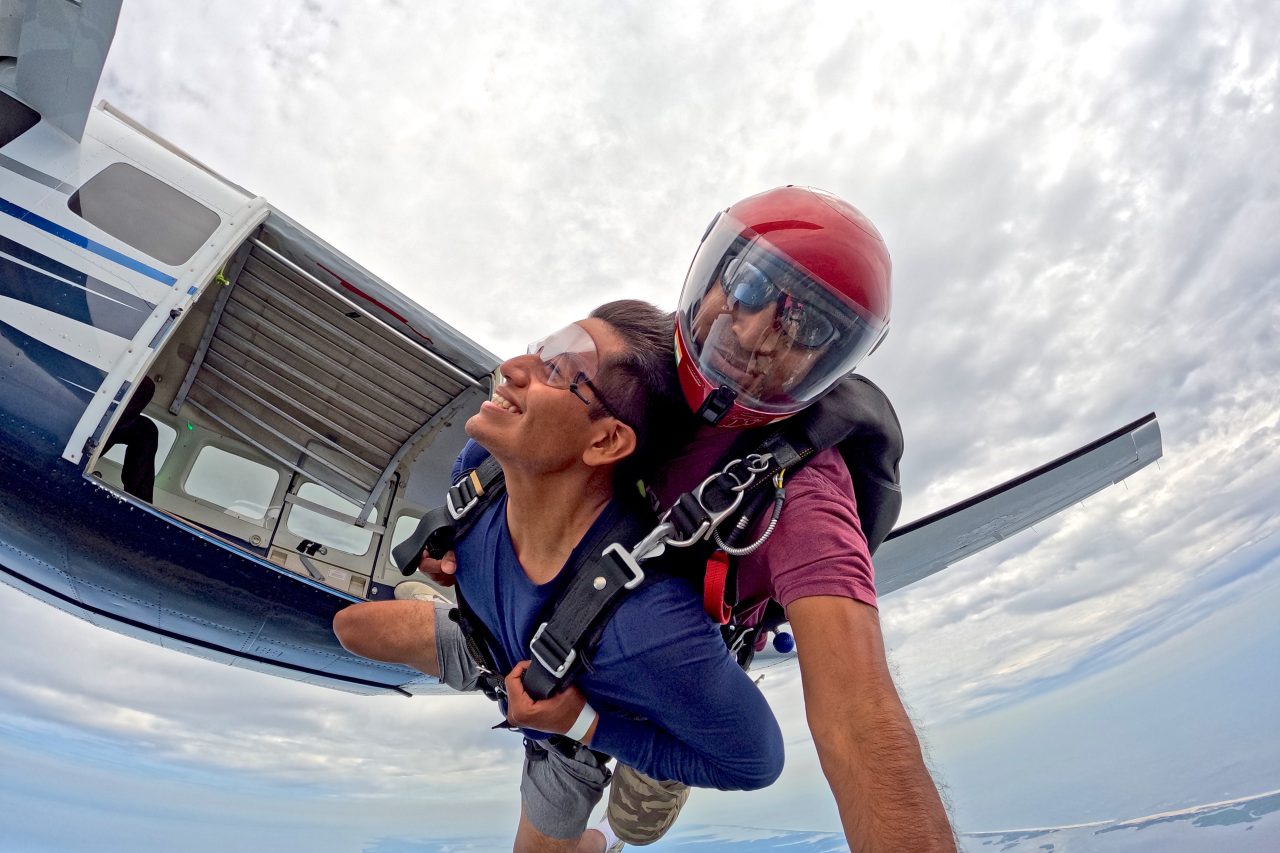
(1081, 201)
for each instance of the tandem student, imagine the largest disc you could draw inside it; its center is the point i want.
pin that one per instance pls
(661, 694)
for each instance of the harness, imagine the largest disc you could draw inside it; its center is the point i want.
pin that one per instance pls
(705, 528)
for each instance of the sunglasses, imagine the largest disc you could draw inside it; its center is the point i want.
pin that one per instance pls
(747, 285)
(567, 360)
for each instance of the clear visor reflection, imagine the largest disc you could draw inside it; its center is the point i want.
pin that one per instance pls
(766, 368)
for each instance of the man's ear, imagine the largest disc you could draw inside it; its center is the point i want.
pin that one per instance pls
(613, 441)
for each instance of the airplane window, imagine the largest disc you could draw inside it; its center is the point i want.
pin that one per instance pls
(329, 532)
(144, 212)
(167, 436)
(16, 118)
(403, 529)
(240, 486)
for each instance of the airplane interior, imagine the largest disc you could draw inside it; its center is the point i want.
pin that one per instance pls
(293, 422)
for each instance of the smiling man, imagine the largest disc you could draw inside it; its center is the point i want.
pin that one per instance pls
(583, 405)
(789, 290)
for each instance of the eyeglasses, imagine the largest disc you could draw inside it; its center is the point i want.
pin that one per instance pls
(567, 359)
(747, 285)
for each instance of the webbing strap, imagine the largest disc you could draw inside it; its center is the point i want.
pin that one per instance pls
(439, 528)
(713, 587)
(480, 482)
(785, 454)
(596, 585)
(592, 597)
(478, 641)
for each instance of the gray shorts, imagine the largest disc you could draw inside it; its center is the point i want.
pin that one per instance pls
(457, 668)
(560, 785)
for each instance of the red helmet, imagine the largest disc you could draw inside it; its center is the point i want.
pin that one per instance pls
(787, 293)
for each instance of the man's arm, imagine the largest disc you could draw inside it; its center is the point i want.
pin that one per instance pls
(555, 715)
(672, 703)
(866, 744)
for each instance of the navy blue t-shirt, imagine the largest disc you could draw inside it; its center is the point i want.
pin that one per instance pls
(672, 703)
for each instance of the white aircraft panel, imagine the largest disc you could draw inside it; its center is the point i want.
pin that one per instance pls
(92, 346)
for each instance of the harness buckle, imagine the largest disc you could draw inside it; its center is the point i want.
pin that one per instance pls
(553, 650)
(469, 488)
(492, 686)
(621, 555)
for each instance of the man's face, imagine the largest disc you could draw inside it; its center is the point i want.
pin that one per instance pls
(534, 425)
(753, 346)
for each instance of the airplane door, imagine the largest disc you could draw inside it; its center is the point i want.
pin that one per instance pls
(319, 536)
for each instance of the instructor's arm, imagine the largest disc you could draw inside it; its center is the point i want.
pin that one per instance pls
(868, 749)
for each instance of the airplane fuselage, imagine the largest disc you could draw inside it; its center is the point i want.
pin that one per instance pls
(122, 260)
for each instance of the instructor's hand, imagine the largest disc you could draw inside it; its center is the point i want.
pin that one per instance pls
(554, 715)
(442, 570)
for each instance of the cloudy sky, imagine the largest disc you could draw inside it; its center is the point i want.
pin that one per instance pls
(1082, 205)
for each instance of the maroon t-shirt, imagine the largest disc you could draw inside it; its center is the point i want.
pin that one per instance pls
(817, 548)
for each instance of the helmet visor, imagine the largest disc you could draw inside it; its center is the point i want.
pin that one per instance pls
(755, 321)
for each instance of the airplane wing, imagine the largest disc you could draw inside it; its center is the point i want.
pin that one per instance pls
(932, 543)
(60, 57)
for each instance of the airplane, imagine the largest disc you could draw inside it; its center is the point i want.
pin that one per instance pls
(306, 413)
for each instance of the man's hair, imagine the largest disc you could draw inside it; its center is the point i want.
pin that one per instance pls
(642, 385)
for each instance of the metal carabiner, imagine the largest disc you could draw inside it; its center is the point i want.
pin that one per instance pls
(653, 544)
(713, 517)
(756, 463)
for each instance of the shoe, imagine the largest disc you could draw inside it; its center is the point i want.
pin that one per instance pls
(641, 809)
(416, 590)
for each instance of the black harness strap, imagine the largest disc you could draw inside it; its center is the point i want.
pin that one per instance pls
(480, 645)
(598, 581)
(440, 528)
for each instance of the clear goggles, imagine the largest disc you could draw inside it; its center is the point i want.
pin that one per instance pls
(750, 288)
(568, 359)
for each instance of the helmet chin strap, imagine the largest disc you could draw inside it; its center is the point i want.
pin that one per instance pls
(717, 405)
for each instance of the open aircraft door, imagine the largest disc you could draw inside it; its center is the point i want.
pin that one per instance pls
(321, 534)
(290, 357)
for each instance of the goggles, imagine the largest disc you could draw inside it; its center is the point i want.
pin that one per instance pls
(567, 359)
(750, 287)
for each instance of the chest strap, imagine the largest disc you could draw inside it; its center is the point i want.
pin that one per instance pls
(597, 584)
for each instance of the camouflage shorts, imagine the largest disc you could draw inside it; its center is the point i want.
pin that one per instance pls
(641, 810)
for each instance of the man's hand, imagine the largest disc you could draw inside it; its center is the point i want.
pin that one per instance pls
(554, 715)
(441, 571)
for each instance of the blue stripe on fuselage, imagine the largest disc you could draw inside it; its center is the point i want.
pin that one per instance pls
(22, 214)
(84, 303)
